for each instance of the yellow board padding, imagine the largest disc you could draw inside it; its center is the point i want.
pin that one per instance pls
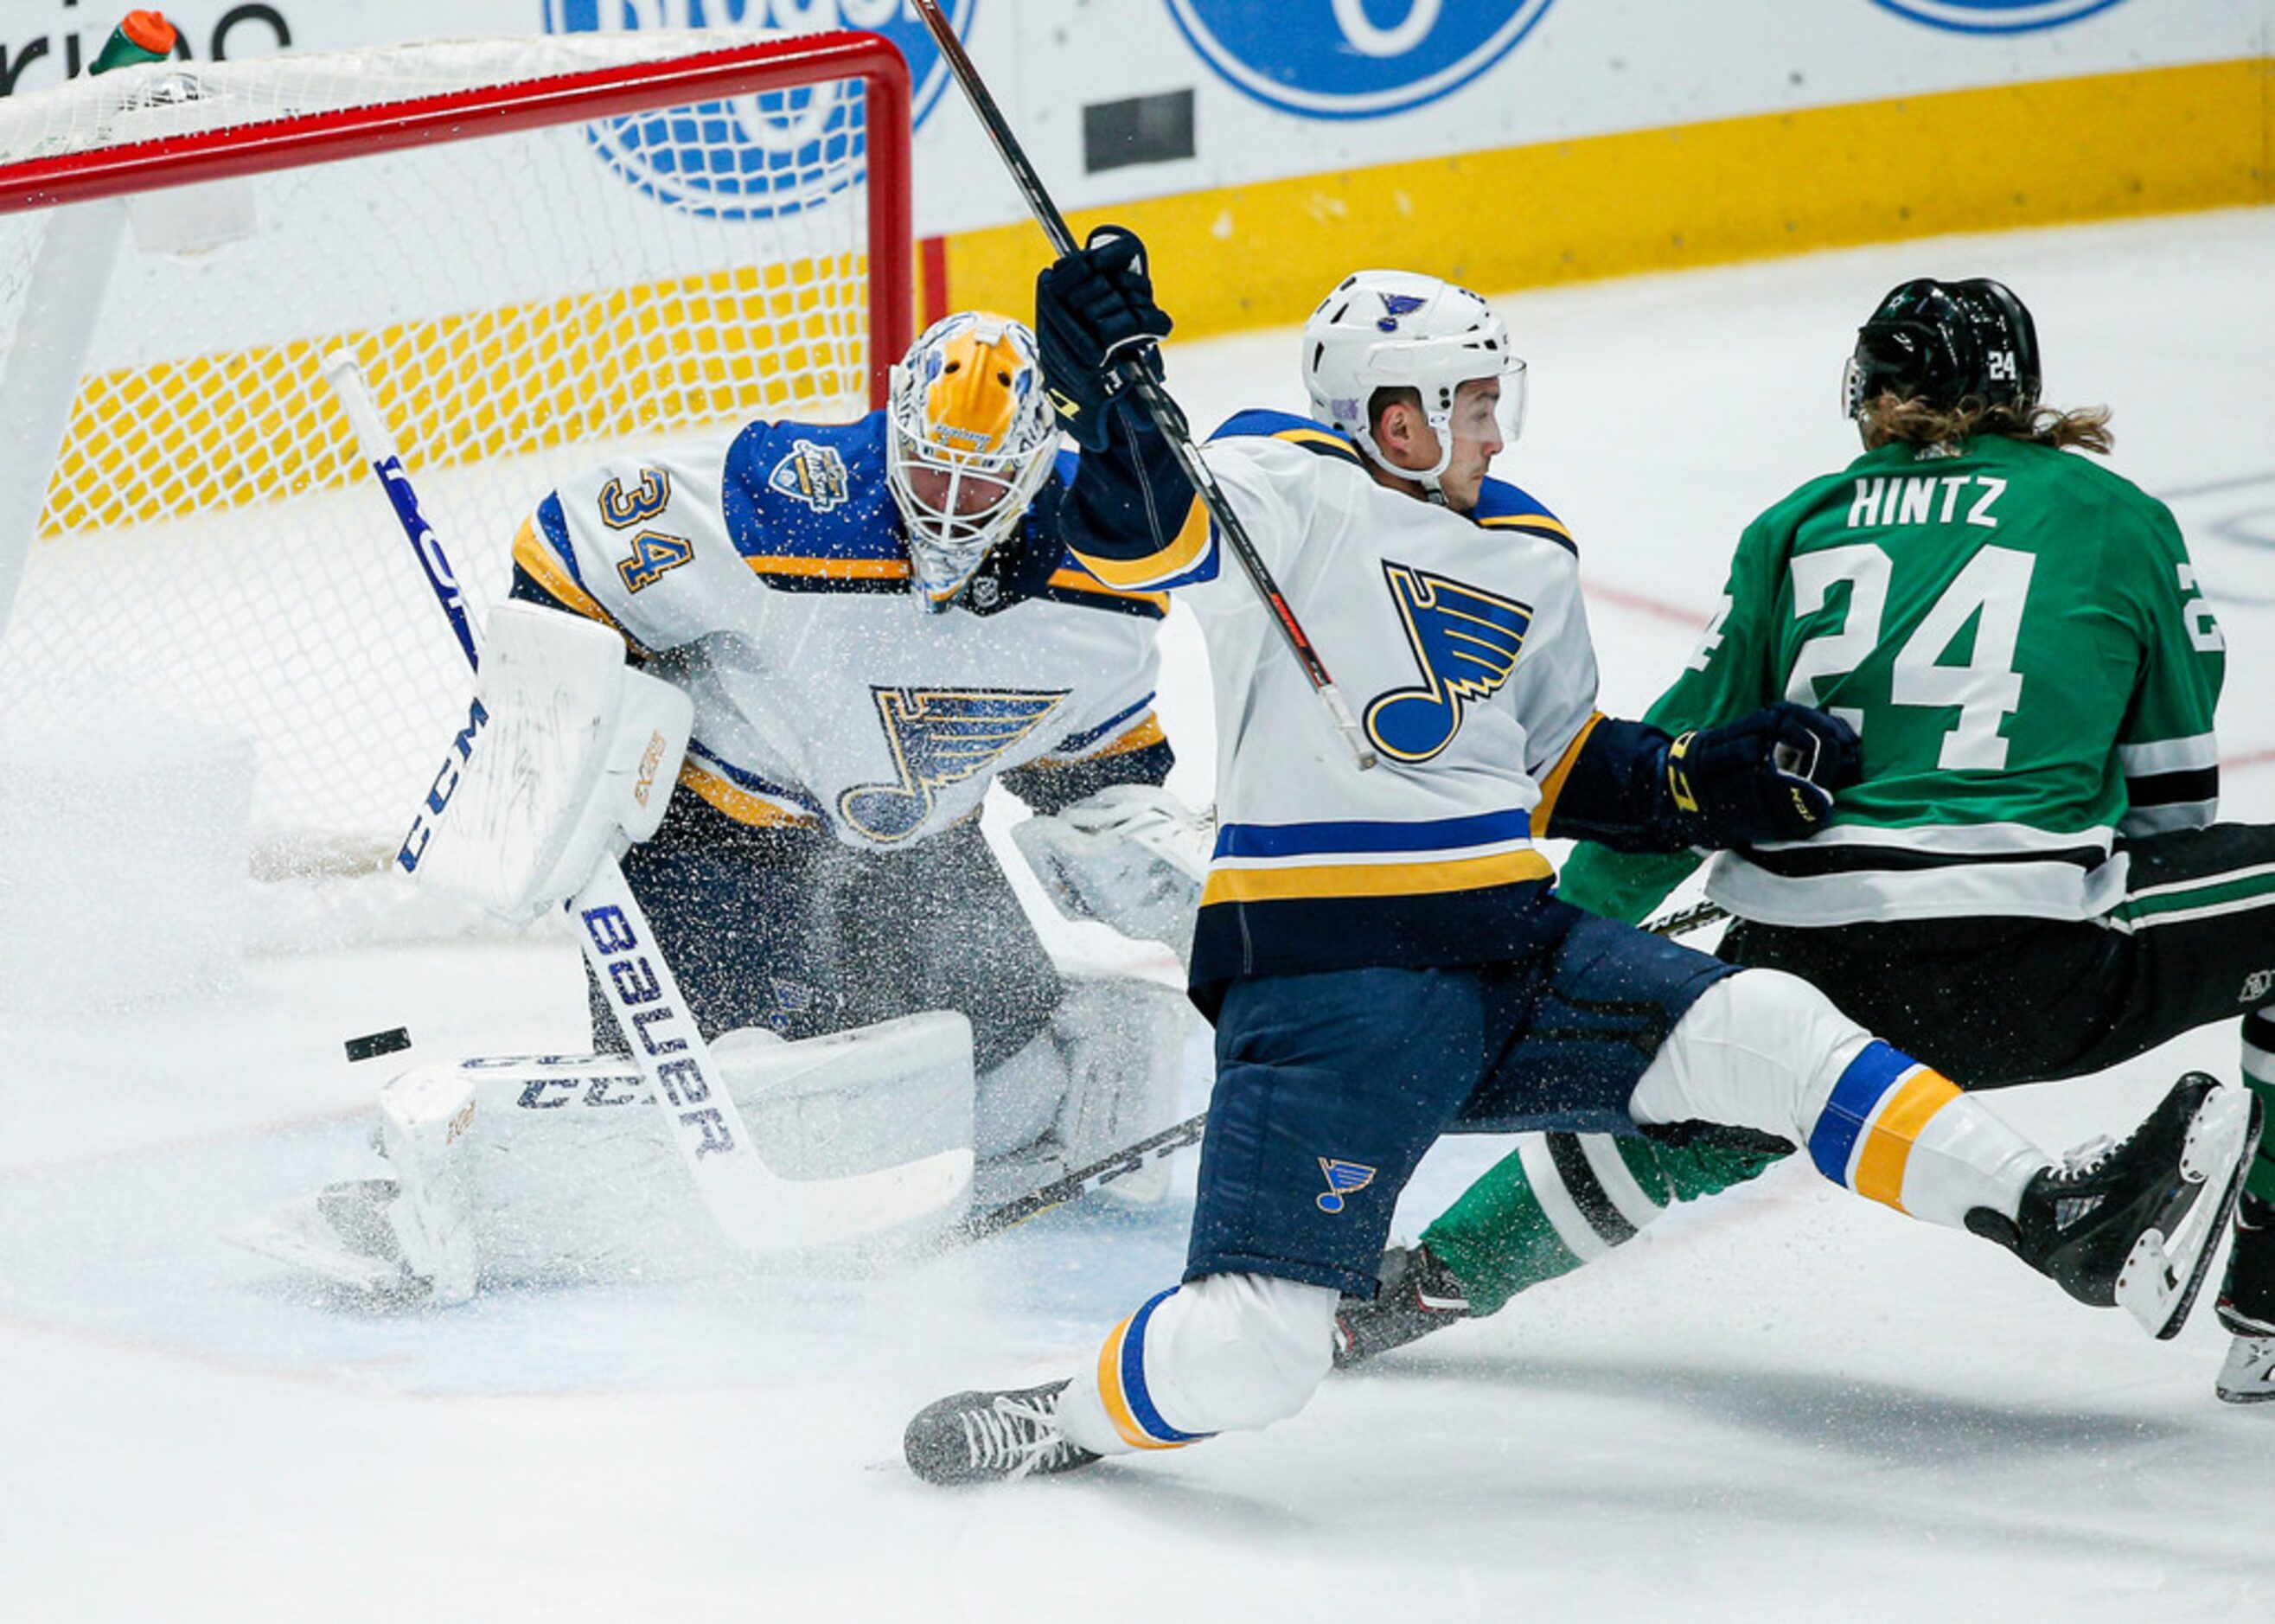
(176, 438)
(2039, 152)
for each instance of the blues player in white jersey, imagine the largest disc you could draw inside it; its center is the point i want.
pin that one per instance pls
(1380, 951)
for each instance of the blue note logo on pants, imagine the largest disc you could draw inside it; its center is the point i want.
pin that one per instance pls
(1353, 58)
(1344, 1179)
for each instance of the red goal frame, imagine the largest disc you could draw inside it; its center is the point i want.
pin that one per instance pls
(564, 98)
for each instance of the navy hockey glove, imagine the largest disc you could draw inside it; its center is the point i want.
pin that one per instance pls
(1770, 775)
(1093, 309)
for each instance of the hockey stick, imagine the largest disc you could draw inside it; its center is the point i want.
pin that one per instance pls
(1165, 411)
(757, 1209)
(1685, 920)
(1079, 1182)
(1170, 1141)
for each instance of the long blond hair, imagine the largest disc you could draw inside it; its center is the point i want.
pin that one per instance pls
(1887, 418)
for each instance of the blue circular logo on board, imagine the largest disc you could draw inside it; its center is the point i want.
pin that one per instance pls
(758, 156)
(1353, 58)
(1995, 15)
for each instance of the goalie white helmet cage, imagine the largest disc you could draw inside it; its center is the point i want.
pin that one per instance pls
(970, 439)
(1388, 330)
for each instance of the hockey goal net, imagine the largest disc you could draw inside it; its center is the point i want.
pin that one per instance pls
(539, 250)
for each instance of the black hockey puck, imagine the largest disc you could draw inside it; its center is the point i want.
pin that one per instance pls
(375, 1044)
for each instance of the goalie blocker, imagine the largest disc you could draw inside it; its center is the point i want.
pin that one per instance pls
(568, 757)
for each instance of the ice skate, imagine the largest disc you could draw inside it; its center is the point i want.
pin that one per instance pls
(2134, 1224)
(992, 1437)
(2247, 1307)
(2247, 1375)
(1416, 1294)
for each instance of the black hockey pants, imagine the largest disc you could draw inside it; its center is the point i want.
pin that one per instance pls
(1998, 1001)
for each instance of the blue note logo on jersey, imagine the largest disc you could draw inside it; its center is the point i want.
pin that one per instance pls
(938, 737)
(1466, 641)
(757, 156)
(1995, 15)
(1353, 58)
(812, 474)
(1344, 1178)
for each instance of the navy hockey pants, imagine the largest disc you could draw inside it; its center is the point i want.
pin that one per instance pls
(1330, 1086)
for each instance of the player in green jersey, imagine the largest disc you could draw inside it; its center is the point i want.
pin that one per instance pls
(2026, 884)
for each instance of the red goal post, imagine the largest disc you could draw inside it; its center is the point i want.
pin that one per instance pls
(539, 250)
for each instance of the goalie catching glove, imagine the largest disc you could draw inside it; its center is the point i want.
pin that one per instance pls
(568, 757)
(1132, 856)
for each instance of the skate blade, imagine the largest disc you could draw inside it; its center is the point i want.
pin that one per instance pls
(2166, 1267)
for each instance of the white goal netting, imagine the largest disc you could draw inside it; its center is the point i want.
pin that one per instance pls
(196, 534)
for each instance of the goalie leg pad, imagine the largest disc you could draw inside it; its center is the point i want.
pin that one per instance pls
(1125, 1045)
(423, 1115)
(405, 1240)
(559, 1169)
(574, 1175)
(1105, 1074)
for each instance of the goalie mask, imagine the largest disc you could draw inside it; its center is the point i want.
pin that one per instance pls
(971, 438)
(1944, 343)
(1388, 330)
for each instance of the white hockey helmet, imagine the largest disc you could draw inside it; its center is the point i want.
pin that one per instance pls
(971, 438)
(1390, 330)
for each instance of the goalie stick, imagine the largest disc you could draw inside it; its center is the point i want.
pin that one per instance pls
(1165, 411)
(757, 1209)
(1170, 1141)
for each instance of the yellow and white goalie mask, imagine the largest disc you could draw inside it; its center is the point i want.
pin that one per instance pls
(971, 439)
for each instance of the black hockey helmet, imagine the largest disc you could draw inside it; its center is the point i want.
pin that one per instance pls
(1942, 342)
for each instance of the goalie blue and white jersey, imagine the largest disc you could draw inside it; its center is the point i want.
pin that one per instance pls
(769, 578)
(1459, 639)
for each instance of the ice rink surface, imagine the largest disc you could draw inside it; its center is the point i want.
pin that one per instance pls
(1785, 1403)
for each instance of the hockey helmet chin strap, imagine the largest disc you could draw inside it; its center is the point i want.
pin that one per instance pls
(1441, 424)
